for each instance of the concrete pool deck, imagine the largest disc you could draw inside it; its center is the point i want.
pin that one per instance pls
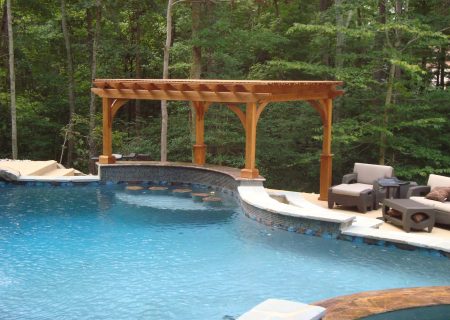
(289, 204)
(439, 238)
(367, 225)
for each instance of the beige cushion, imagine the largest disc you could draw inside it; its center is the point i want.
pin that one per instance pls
(424, 201)
(352, 189)
(369, 173)
(435, 180)
(443, 206)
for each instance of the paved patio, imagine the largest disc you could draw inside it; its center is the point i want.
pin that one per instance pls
(438, 234)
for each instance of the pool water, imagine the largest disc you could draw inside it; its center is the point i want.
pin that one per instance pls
(437, 312)
(103, 252)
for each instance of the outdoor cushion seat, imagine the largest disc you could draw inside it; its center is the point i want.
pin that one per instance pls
(353, 189)
(425, 201)
(360, 188)
(442, 209)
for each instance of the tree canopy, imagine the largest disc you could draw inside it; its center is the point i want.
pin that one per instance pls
(393, 56)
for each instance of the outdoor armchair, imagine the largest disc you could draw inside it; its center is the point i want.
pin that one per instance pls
(360, 187)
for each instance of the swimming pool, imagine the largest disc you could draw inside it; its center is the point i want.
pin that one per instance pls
(102, 252)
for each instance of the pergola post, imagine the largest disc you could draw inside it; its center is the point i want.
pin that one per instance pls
(199, 146)
(326, 159)
(107, 156)
(251, 119)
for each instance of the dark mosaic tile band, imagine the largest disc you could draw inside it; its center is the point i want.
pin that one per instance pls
(316, 228)
(49, 183)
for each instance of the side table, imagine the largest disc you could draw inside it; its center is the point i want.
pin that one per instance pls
(408, 208)
(392, 186)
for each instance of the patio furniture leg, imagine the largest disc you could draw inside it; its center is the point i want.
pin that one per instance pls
(330, 204)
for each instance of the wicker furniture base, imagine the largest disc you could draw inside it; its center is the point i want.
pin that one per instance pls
(408, 208)
(364, 201)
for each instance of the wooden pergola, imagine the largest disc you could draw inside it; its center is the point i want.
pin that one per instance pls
(256, 95)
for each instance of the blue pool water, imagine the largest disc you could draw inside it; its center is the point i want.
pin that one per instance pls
(108, 253)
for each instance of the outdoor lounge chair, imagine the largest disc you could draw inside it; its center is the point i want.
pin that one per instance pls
(360, 188)
(442, 206)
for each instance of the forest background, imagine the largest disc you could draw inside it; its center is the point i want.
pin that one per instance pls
(393, 56)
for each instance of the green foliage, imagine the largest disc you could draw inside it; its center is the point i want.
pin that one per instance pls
(243, 40)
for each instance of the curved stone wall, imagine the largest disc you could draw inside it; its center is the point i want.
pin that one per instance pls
(364, 304)
(221, 177)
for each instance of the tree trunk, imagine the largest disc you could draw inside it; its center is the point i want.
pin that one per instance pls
(70, 73)
(12, 82)
(379, 38)
(196, 66)
(386, 109)
(138, 62)
(324, 5)
(443, 63)
(394, 73)
(164, 115)
(92, 109)
(341, 23)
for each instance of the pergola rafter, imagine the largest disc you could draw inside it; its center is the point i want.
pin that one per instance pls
(255, 94)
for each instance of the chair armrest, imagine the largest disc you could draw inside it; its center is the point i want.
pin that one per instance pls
(349, 178)
(403, 189)
(418, 191)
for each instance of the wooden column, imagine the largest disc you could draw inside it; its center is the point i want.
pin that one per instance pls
(199, 146)
(326, 159)
(251, 119)
(107, 156)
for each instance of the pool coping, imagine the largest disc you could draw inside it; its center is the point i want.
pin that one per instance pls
(368, 303)
(74, 179)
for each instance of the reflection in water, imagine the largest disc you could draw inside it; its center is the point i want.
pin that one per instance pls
(105, 198)
(170, 209)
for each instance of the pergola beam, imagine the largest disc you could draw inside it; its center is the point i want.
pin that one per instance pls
(207, 96)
